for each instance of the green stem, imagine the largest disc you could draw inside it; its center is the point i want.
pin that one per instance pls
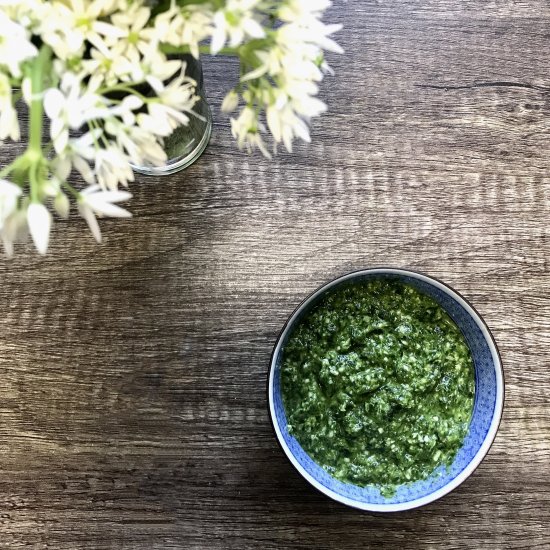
(7, 169)
(18, 167)
(34, 182)
(125, 87)
(71, 190)
(48, 149)
(34, 150)
(37, 108)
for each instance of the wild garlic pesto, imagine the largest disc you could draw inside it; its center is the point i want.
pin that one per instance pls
(378, 384)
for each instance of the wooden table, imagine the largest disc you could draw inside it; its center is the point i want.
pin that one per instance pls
(132, 394)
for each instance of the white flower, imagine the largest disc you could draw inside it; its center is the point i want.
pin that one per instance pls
(39, 220)
(230, 102)
(246, 130)
(62, 205)
(94, 201)
(295, 35)
(284, 125)
(305, 105)
(289, 70)
(183, 26)
(247, 122)
(103, 203)
(150, 150)
(112, 166)
(191, 25)
(141, 146)
(61, 168)
(132, 22)
(157, 127)
(293, 106)
(291, 102)
(81, 151)
(103, 51)
(125, 109)
(255, 141)
(9, 124)
(9, 195)
(299, 63)
(70, 107)
(153, 64)
(14, 230)
(108, 66)
(26, 90)
(167, 116)
(297, 10)
(167, 111)
(25, 13)
(178, 93)
(235, 22)
(15, 46)
(68, 25)
(111, 163)
(110, 6)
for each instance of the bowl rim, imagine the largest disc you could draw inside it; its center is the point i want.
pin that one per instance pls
(495, 421)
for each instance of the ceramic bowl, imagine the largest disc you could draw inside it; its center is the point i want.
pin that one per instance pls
(488, 402)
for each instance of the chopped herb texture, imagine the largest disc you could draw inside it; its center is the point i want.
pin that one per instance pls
(378, 384)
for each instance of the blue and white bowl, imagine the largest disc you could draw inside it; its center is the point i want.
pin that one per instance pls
(488, 402)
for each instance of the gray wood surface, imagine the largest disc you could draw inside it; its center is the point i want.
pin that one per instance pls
(132, 391)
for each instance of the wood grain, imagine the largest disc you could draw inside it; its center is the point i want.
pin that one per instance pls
(132, 394)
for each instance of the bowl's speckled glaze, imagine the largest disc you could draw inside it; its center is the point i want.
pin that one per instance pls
(488, 403)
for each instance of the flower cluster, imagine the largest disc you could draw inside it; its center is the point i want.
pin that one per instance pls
(281, 74)
(100, 72)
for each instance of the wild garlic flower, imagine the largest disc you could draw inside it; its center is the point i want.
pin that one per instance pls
(133, 24)
(93, 202)
(187, 26)
(14, 230)
(108, 66)
(236, 21)
(15, 46)
(283, 75)
(70, 25)
(69, 107)
(102, 74)
(39, 220)
(9, 195)
(112, 167)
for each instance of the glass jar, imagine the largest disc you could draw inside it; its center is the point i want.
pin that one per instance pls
(187, 143)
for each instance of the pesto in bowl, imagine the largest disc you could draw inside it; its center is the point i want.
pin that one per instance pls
(377, 382)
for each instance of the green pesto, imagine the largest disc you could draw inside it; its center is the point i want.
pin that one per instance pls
(378, 384)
